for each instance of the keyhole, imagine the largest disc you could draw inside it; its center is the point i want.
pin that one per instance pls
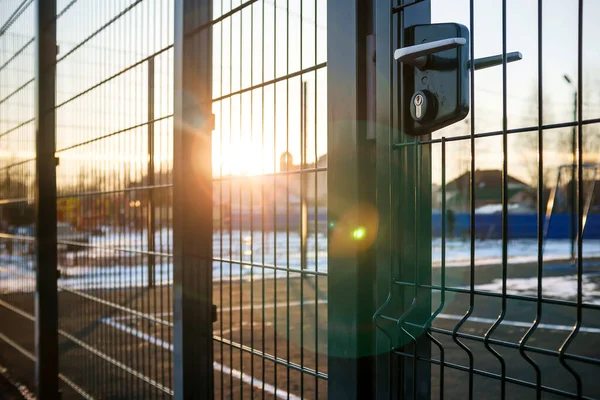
(418, 103)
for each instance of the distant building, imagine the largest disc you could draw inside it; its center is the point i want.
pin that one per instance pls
(488, 190)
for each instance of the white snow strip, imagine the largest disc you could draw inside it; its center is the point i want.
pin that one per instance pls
(278, 305)
(562, 287)
(279, 393)
(238, 308)
(519, 324)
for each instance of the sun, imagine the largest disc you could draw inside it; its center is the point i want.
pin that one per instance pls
(245, 159)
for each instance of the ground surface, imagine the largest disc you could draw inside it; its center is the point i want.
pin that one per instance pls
(117, 343)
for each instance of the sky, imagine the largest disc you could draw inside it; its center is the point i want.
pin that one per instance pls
(559, 45)
(254, 128)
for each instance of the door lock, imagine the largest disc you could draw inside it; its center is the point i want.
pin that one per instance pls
(436, 75)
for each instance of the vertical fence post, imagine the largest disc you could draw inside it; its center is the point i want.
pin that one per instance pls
(350, 204)
(404, 209)
(46, 297)
(192, 201)
(150, 176)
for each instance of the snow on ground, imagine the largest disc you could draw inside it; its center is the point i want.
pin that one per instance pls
(560, 287)
(489, 252)
(243, 253)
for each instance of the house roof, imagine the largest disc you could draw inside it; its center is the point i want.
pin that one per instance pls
(486, 180)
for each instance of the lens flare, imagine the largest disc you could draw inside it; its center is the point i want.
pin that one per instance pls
(359, 233)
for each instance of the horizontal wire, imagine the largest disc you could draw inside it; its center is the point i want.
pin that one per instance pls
(233, 178)
(17, 347)
(108, 135)
(220, 18)
(96, 32)
(116, 363)
(115, 191)
(509, 345)
(17, 237)
(27, 160)
(62, 377)
(499, 133)
(17, 90)
(65, 9)
(22, 124)
(15, 15)
(17, 53)
(121, 72)
(32, 357)
(267, 356)
(492, 375)
(114, 249)
(485, 293)
(271, 82)
(270, 266)
(17, 310)
(16, 201)
(119, 307)
(75, 387)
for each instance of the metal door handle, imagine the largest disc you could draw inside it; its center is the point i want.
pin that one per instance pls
(416, 55)
(492, 61)
(436, 77)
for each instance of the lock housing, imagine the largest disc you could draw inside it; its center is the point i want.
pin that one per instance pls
(444, 76)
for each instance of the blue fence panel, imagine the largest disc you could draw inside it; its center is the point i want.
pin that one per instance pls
(520, 226)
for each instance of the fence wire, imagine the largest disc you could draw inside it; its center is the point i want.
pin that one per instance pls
(269, 168)
(114, 151)
(17, 175)
(114, 144)
(503, 323)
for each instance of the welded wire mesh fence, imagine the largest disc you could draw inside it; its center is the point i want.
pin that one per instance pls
(114, 107)
(514, 315)
(17, 164)
(270, 163)
(114, 145)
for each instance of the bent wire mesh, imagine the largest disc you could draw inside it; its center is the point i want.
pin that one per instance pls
(507, 306)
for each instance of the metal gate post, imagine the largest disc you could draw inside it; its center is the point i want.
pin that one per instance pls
(192, 201)
(46, 297)
(351, 203)
(404, 208)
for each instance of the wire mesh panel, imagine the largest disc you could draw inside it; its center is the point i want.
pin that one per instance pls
(510, 280)
(113, 111)
(17, 171)
(270, 220)
(114, 148)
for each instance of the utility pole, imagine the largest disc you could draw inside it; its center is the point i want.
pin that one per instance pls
(573, 187)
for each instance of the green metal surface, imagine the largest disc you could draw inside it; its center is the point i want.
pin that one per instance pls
(353, 219)
(404, 208)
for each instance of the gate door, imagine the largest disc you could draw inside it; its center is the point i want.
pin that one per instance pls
(487, 164)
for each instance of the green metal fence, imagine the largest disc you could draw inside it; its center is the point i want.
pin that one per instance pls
(269, 168)
(17, 53)
(223, 199)
(143, 234)
(474, 317)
